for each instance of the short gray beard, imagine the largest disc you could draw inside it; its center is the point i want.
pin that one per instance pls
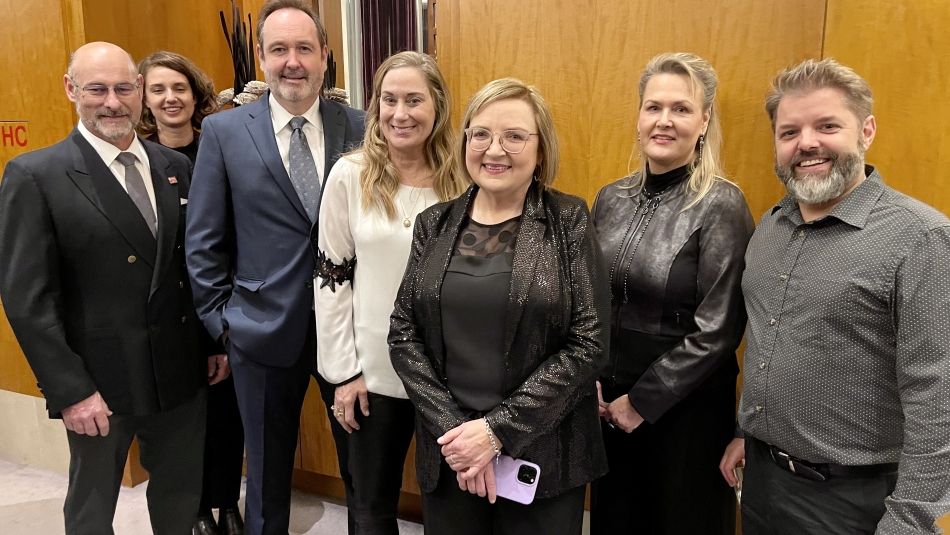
(111, 133)
(819, 189)
(291, 95)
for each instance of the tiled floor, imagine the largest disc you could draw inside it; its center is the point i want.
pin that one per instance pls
(31, 503)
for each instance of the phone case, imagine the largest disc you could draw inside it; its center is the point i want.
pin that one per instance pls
(516, 479)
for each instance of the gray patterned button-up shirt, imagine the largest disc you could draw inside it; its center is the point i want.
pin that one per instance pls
(848, 355)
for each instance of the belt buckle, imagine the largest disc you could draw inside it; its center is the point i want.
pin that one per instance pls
(799, 467)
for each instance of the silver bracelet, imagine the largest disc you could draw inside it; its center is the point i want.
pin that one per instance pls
(491, 439)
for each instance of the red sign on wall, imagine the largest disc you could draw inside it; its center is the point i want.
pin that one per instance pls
(14, 133)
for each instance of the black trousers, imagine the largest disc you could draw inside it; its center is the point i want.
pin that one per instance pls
(376, 455)
(777, 502)
(224, 448)
(664, 477)
(449, 510)
(170, 446)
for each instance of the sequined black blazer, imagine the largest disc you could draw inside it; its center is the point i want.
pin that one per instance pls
(556, 338)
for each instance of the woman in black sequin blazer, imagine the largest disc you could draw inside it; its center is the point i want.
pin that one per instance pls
(500, 327)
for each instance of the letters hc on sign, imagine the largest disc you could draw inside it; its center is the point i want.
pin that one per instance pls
(13, 133)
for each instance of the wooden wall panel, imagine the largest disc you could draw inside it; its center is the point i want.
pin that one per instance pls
(188, 27)
(902, 49)
(34, 113)
(586, 57)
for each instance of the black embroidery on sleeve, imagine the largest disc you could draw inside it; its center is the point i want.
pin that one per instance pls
(333, 274)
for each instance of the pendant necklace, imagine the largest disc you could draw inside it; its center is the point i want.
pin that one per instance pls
(406, 222)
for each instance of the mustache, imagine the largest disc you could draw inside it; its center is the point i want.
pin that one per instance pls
(811, 155)
(112, 113)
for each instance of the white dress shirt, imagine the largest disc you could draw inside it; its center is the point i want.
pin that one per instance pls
(109, 152)
(313, 129)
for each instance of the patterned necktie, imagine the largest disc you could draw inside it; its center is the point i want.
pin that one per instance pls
(303, 171)
(135, 185)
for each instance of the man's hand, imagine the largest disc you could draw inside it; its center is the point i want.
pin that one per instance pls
(344, 403)
(88, 417)
(733, 456)
(622, 414)
(218, 369)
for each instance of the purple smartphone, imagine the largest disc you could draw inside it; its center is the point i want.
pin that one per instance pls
(515, 479)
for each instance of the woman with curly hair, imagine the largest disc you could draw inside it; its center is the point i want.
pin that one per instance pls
(177, 96)
(370, 202)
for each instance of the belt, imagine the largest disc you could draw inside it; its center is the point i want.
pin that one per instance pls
(825, 471)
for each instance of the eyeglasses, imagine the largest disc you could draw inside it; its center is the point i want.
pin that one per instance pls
(124, 89)
(511, 141)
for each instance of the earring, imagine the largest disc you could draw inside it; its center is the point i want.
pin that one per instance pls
(699, 145)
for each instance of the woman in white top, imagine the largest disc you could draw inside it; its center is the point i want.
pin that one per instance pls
(370, 202)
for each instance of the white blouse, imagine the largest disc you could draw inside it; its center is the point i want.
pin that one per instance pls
(353, 319)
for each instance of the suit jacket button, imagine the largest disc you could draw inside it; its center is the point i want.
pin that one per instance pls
(184, 319)
(132, 259)
(181, 284)
(309, 284)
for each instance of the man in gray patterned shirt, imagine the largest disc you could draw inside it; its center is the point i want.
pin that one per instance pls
(846, 403)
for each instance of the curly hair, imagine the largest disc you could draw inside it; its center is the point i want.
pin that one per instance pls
(379, 180)
(201, 87)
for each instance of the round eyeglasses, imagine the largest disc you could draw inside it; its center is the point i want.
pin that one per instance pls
(512, 141)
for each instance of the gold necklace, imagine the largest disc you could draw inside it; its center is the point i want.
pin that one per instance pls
(406, 222)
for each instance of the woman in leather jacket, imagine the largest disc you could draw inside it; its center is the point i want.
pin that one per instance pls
(500, 327)
(673, 236)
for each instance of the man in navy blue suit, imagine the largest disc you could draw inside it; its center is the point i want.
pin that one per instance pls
(254, 208)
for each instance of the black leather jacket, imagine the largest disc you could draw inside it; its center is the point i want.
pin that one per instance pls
(556, 338)
(677, 310)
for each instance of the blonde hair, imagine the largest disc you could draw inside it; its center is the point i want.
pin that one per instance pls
(379, 179)
(512, 88)
(814, 74)
(705, 170)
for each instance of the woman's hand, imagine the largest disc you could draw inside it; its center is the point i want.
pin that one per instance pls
(601, 404)
(482, 484)
(344, 403)
(622, 414)
(467, 448)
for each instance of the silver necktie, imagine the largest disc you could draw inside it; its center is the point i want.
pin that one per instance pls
(135, 185)
(303, 171)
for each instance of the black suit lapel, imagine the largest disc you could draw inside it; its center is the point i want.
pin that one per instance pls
(261, 128)
(93, 177)
(527, 252)
(168, 206)
(437, 263)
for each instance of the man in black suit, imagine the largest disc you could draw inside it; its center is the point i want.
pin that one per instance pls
(254, 206)
(93, 281)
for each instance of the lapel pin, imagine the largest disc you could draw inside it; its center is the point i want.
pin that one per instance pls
(172, 180)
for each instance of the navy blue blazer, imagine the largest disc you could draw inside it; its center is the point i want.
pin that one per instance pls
(248, 238)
